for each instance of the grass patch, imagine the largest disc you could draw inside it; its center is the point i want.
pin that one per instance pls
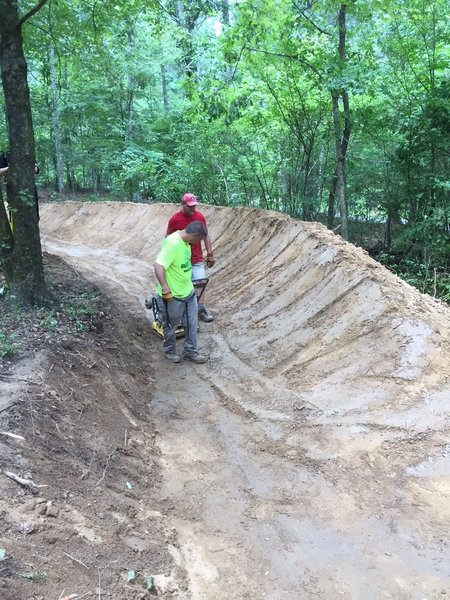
(75, 307)
(7, 347)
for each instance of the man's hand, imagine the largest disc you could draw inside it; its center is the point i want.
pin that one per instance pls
(210, 262)
(167, 296)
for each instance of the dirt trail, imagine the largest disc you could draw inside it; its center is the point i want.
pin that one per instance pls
(310, 457)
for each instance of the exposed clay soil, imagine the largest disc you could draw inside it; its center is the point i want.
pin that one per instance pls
(308, 458)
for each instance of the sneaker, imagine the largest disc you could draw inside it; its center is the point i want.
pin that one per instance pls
(196, 357)
(173, 357)
(205, 315)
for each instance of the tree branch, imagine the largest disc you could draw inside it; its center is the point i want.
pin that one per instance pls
(32, 12)
(236, 65)
(302, 12)
(171, 14)
(291, 56)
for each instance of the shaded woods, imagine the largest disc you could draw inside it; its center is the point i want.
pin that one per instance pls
(337, 112)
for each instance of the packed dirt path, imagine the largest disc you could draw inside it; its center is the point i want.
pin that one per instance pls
(309, 458)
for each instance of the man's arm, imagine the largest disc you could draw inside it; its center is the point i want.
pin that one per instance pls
(208, 245)
(207, 242)
(160, 273)
(210, 261)
(3, 171)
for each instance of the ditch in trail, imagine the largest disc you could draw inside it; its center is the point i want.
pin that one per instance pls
(309, 458)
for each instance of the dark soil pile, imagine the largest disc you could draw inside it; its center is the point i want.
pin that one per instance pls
(75, 384)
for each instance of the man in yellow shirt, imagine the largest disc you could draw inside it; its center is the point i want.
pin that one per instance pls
(175, 292)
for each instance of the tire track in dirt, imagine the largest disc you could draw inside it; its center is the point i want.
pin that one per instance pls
(309, 458)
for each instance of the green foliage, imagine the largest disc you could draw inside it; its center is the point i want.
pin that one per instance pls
(421, 255)
(86, 303)
(159, 99)
(74, 308)
(7, 347)
(50, 321)
(427, 279)
(80, 307)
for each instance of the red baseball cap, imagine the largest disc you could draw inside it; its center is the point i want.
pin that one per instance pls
(189, 199)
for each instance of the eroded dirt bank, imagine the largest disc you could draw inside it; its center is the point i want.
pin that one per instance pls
(309, 458)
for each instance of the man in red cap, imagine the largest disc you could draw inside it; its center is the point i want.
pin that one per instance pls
(179, 221)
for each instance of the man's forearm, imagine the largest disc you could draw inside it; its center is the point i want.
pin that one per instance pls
(208, 245)
(160, 273)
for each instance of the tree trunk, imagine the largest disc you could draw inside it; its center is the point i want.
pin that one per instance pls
(433, 145)
(186, 46)
(164, 88)
(131, 84)
(344, 145)
(306, 195)
(340, 180)
(56, 124)
(338, 183)
(227, 21)
(388, 232)
(331, 202)
(26, 280)
(226, 11)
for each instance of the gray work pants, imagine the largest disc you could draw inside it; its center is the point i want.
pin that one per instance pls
(172, 313)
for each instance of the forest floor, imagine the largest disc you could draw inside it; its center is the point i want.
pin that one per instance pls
(307, 459)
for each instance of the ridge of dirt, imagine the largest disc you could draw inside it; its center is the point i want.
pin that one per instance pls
(309, 457)
(317, 310)
(79, 399)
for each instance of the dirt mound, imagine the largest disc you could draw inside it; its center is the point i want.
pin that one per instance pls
(293, 300)
(310, 458)
(74, 421)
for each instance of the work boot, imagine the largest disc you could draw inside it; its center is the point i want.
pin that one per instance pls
(205, 315)
(196, 357)
(173, 357)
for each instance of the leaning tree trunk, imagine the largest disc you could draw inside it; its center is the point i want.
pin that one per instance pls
(26, 280)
